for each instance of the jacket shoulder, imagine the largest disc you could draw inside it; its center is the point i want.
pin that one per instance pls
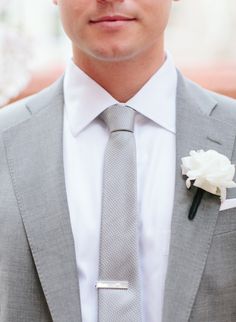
(216, 105)
(21, 110)
(225, 109)
(13, 114)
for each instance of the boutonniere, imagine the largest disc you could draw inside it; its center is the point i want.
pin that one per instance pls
(209, 171)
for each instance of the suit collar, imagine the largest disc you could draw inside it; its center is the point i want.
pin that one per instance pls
(34, 153)
(190, 240)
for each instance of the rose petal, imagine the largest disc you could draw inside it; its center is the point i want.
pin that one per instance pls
(188, 183)
(209, 170)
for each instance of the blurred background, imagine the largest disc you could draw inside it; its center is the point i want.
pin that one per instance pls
(34, 49)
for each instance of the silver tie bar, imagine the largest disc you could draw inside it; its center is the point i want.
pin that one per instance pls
(119, 285)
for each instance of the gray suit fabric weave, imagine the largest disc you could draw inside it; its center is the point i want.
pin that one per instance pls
(119, 241)
(38, 271)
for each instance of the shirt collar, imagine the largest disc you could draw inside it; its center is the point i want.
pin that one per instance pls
(85, 99)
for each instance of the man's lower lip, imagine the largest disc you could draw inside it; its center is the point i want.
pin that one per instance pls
(114, 24)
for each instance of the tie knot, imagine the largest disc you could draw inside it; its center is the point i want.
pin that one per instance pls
(119, 118)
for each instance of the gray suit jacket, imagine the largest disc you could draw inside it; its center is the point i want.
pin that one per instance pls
(38, 274)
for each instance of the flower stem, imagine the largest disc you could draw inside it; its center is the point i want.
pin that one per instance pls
(196, 202)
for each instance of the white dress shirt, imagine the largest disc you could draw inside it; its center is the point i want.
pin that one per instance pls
(85, 138)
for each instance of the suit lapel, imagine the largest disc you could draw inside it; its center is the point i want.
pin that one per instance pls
(190, 240)
(35, 158)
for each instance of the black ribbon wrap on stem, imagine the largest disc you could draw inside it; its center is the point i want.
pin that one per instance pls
(196, 202)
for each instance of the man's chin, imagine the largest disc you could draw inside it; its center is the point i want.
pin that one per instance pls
(114, 55)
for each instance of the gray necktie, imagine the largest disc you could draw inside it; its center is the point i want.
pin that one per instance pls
(119, 285)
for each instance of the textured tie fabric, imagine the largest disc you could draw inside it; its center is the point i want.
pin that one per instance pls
(119, 291)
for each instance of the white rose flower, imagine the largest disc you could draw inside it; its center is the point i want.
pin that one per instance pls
(210, 171)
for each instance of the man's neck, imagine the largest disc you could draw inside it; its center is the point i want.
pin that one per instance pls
(125, 78)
